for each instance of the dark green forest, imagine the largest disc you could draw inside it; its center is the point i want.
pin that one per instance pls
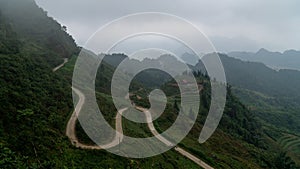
(36, 103)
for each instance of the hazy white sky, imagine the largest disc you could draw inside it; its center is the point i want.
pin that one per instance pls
(230, 24)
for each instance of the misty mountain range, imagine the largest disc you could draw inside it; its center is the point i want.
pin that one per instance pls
(260, 127)
(289, 59)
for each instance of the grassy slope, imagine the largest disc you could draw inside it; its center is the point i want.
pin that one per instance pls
(278, 120)
(36, 104)
(218, 151)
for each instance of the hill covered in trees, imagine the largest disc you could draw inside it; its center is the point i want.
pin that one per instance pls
(36, 104)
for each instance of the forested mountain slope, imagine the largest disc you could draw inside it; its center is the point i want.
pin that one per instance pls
(36, 104)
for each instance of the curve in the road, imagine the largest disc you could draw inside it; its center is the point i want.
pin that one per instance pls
(71, 126)
(152, 128)
(70, 132)
(168, 143)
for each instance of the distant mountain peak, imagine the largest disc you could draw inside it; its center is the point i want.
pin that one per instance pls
(191, 59)
(262, 50)
(291, 52)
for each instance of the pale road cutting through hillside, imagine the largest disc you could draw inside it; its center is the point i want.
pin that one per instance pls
(168, 143)
(71, 126)
(152, 128)
(193, 158)
(61, 65)
(70, 132)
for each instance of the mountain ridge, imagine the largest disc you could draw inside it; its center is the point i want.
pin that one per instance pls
(289, 59)
(36, 104)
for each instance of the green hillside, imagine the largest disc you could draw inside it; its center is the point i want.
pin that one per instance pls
(36, 104)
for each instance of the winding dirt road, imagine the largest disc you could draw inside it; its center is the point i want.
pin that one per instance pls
(152, 128)
(70, 132)
(71, 127)
(168, 143)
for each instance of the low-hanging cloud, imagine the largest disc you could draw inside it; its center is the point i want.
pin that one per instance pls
(231, 24)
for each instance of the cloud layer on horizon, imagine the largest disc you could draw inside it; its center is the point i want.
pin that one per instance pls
(230, 24)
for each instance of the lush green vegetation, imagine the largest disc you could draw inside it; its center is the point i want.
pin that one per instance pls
(272, 96)
(36, 104)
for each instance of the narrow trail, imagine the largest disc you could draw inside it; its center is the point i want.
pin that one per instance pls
(71, 129)
(61, 65)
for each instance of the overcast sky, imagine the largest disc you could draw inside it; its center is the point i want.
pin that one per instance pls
(232, 25)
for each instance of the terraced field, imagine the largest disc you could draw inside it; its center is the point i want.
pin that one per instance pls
(289, 142)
